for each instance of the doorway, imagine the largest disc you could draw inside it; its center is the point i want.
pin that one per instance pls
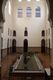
(8, 46)
(49, 46)
(14, 45)
(1, 47)
(43, 46)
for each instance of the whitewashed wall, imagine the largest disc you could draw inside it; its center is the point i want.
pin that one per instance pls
(7, 24)
(33, 24)
(48, 29)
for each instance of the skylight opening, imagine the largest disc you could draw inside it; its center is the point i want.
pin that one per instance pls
(19, 0)
(37, 0)
(28, 0)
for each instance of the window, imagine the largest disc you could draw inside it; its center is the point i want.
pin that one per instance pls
(37, 0)
(1, 42)
(25, 32)
(10, 43)
(38, 12)
(14, 33)
(20, 12)
(43, 33)
(28, 12)
(28, 0)
(8, 31)
(19, 0)
(48, 31)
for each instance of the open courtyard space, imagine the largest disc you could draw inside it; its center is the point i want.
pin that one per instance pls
(26, 39)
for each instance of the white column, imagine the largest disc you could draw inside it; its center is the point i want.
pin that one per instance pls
(52, 47)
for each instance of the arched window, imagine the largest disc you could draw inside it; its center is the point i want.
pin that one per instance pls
(28, 12)
(14, 33)
(25, 32)
(1, 42)
(43, 33)
(8, 31)
(38, 12)
(20, 12)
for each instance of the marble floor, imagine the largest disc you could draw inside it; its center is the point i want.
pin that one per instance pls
(45, 59)
(6, 63)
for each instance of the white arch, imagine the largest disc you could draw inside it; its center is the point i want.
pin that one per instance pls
(3, 8)
(4, 3)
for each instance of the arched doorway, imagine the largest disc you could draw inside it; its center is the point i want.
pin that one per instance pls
(14, 45)
(1, 47)
(25, 46)
(10, 45)
(49, 46)
(43, 46)
(8, 50)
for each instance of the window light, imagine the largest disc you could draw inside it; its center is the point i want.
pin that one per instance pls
(20, 0)
(9, 8)
(28, 0)
(37, 0)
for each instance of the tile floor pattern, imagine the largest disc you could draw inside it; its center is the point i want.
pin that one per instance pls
(6, 62)
(9, 59)
(45, 60)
